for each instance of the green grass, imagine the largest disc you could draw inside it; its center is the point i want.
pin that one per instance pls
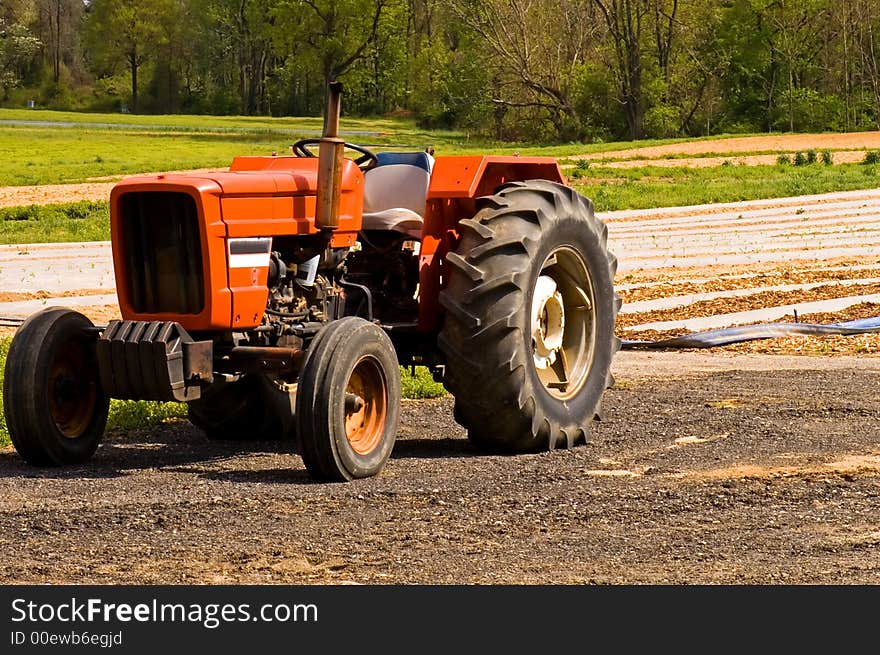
(420, 385)
(114, 145)
(36, 156)
(76, 221)
(46, 154)
(132, 414)
(655, 186)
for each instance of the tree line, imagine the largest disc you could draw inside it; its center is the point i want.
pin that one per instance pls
(558, 70)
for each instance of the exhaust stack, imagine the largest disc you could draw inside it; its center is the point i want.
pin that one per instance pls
(330, 157)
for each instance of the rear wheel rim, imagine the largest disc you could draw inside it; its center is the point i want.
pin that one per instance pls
(72, 390)
(365, 406)
(563, 345)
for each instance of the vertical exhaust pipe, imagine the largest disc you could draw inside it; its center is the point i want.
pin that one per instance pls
(330, 158)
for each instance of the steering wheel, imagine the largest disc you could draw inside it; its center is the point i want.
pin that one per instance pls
(365, 162)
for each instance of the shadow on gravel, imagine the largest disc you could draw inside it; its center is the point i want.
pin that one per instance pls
(164, 447)
(177, 452)
(431, 448)
(180, 448)
(13, 466)
(270, 476)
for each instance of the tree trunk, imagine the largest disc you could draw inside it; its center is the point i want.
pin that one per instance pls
(771, 92)
(56, 55)
(624, 22)
(634, 105)
(133, 64)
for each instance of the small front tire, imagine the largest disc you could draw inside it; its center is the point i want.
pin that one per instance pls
(55, 407)
(348, 401)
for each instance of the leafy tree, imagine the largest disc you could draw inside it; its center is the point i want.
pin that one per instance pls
(58, 25)
(17, 46)
(336, 33)
(535, 49)
(127, 32)
(234, 49)
(626, 20)
(525, 69)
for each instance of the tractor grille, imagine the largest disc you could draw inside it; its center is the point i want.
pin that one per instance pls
(162, 253)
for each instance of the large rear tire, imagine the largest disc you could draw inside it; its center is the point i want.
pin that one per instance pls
(348, 401)
(254, 408)
(55, 407)
(530, 309)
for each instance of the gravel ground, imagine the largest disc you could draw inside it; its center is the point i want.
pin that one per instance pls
(706, 468)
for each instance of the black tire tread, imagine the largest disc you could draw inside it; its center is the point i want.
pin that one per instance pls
(480, 338)
(314, 407)
(25, 407)
(310, 411)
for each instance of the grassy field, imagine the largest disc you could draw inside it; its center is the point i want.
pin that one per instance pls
(38, 149)
(47, 147)
(52, 156)
(387, 131)
(75, 221)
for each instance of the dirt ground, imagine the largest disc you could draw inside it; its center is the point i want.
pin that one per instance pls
(705, 469)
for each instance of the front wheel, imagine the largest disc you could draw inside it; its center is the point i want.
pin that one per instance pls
(55, 407)
(530, 309)
(348, 401)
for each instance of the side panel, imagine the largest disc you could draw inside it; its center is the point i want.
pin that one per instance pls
(456, 182)
(248, 276)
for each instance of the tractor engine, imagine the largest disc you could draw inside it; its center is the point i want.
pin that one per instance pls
(387, 265)
(303, 286)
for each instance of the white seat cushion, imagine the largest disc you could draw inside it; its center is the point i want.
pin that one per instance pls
(395, 192)
(396, 185)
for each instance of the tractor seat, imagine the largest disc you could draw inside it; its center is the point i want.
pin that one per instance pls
(395, 192)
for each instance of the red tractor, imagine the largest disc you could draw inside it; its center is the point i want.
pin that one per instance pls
(278, 299)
